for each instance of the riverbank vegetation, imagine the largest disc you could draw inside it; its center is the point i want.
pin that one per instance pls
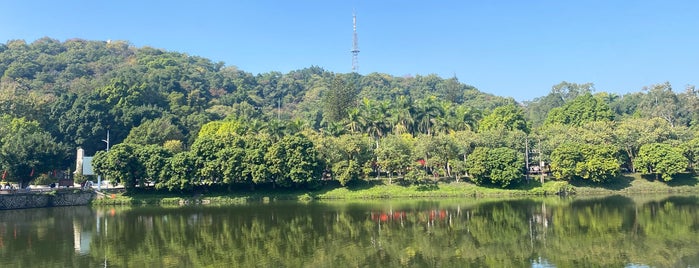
(632, 184)
(183, 124)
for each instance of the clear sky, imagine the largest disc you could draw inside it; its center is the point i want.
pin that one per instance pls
(509, 48)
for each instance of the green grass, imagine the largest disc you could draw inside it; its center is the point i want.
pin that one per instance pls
(640, 184)
(625, 184)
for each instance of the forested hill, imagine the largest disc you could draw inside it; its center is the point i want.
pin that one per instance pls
(179, 121)
(78, 89)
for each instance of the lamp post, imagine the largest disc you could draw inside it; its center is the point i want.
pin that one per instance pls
(99, 178)
(107, 140)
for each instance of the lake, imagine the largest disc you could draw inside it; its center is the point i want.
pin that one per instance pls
(614, 231)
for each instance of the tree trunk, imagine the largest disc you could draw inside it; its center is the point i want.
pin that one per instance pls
(448, 170)
(631, 157)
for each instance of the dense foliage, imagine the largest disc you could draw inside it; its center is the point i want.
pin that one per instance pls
(180, 122)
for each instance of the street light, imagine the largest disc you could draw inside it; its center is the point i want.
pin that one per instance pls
(107, 140)
(99, 178)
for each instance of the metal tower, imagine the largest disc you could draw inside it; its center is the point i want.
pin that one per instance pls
(355, 44)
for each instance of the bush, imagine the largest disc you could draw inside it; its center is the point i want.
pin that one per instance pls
(416, 176)
(44, 179)
(79, 178)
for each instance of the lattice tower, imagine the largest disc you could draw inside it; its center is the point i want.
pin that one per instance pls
(355, 44)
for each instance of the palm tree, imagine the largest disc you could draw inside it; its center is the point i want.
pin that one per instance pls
(353, 117)
(295, 126)
(276, 128)
(374, 119)
(442, 125)
(334, 129)
(463, 117)
(401, 117)
(426, 111)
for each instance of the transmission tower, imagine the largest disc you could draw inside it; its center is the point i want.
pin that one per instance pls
(355, 44)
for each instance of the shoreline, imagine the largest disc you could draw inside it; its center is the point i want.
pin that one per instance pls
(630, 184)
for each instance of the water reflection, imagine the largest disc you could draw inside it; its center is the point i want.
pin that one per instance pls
(611, 232)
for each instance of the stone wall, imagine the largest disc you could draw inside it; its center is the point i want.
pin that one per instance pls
(46, 199)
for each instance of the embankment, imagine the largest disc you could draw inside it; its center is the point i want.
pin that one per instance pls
(19, 200)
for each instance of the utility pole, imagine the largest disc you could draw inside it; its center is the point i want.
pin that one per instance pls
(279, 109)
(526, 157)
(541, 164)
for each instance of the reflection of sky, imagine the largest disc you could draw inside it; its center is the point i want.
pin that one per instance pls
(541, 263)
(633, 265)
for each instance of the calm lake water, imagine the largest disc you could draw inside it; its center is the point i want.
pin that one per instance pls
(612, 231)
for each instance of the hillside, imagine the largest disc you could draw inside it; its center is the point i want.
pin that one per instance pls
(78, 89)
(181, 122)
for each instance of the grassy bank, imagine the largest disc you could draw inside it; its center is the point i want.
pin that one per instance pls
(627, 184)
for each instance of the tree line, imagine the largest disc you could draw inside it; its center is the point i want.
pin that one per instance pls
(182, 121)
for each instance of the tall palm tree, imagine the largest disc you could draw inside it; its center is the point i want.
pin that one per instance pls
(353, 117)
(374, 117)
(463, 117)
(334, 129)
(427, 110)
(295, 126)
(401, 118)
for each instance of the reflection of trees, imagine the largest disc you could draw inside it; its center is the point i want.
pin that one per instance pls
(610, 232)
(613, 231)
(41, 237)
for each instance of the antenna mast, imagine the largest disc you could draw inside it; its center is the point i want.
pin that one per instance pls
(355, 44)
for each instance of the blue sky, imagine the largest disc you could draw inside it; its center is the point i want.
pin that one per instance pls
(508, 48)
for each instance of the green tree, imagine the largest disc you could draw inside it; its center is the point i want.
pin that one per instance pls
(538, 109)
(178, 173)
(374, 118)
(583, 109)
(401, 119)
(231, 161)
(26, 150)
(426, 110)
(120, 164)
(254, 162)
(660, 101)
(465, 141)
(501, 138)
(509, 117)
(84, 124)
(155, 131)
(690, 149)
(347, 157)
(661, 159)
(442, 149)
(569, 91)
(395, 155)
(631, 134)
(293, 161)
(174, 146)
(153, 158)
(564, 160)
(601, 163)
(506, 165)
(500, 166)
(597, 163)
(689, 106)
(340, 96)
